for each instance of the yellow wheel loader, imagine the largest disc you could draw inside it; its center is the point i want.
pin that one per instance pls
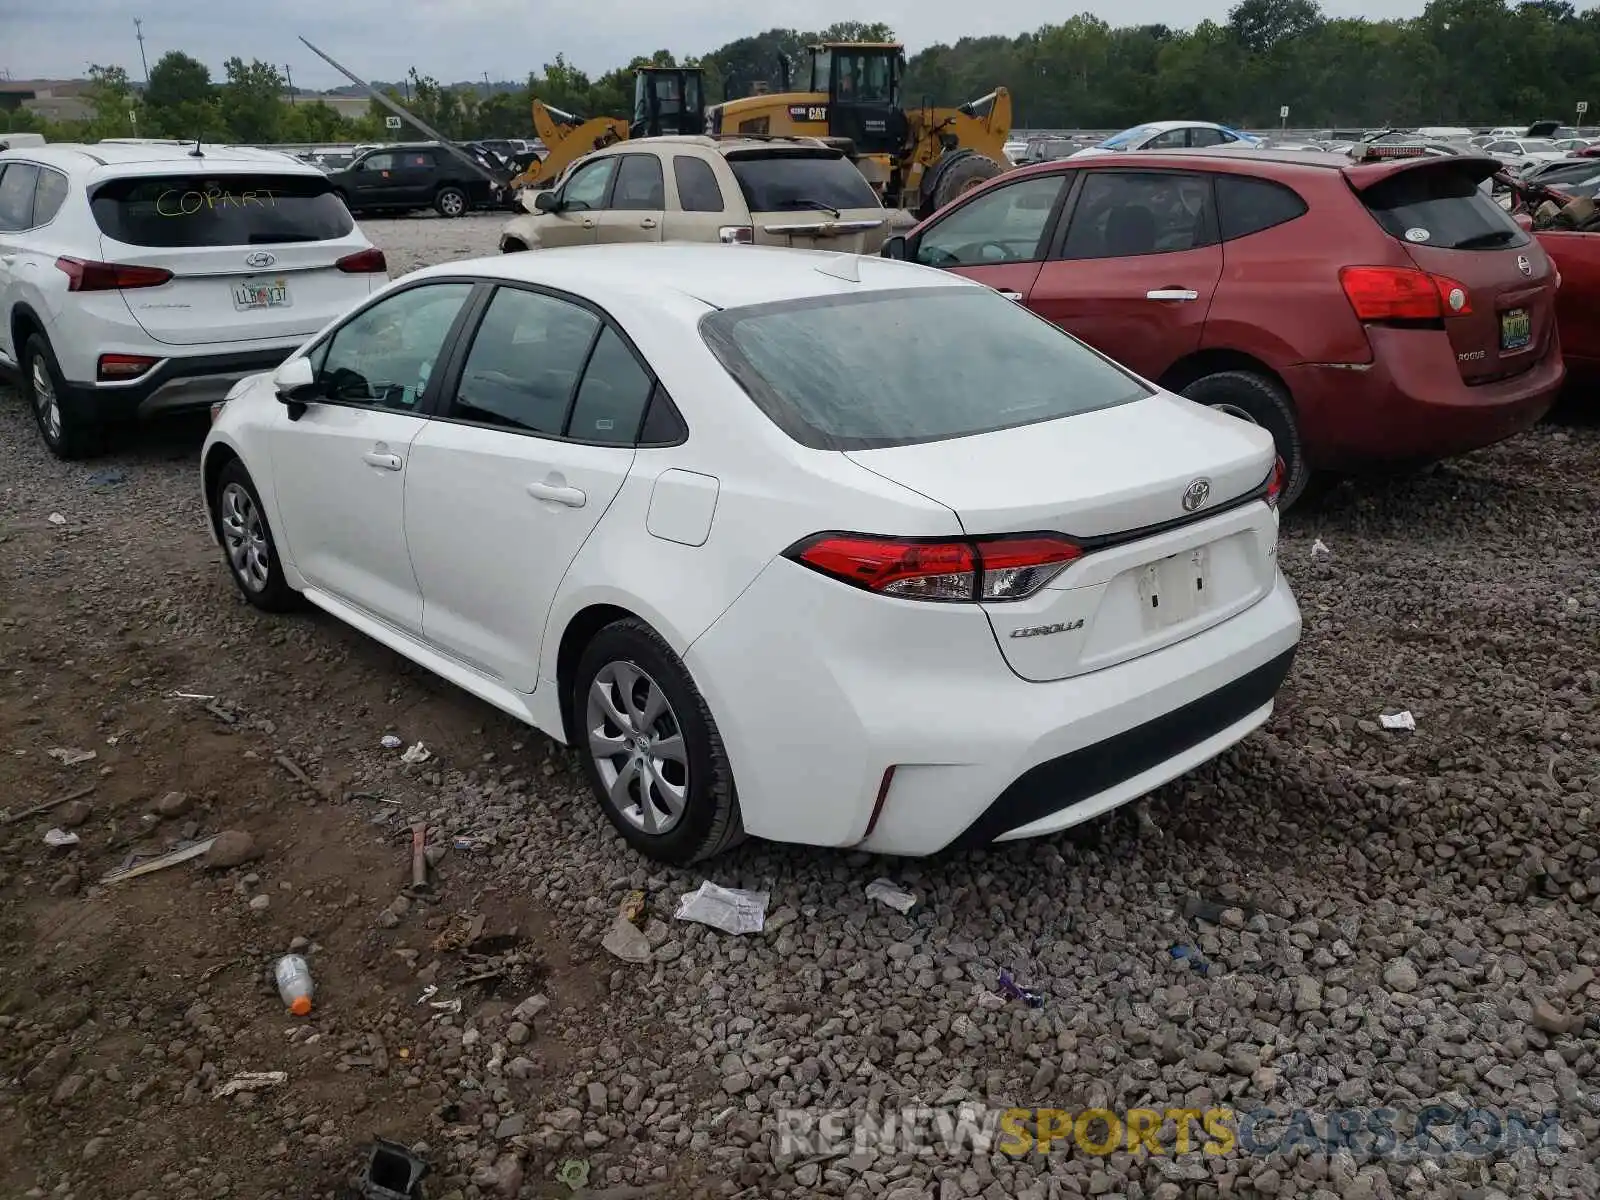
(917, 159)
(665, 100)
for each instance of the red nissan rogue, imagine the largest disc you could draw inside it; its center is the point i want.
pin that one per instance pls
(1364, 312)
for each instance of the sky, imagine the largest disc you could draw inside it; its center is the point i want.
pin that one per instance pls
(455, 40)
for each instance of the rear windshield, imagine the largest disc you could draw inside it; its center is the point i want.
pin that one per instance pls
(792, 182)
(893, 368)
(1443, 208)
(220, 210)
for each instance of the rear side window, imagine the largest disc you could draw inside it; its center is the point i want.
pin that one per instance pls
(612, 398)
(698, 190)
(791, 182)
(220, 210)
(1246, 205)
(893, 368)
(49, 196)
(1441, 207)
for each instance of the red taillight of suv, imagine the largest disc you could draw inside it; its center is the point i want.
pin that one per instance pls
(1403, 294)
(85, 276)
(1000, 568)
(363, 262)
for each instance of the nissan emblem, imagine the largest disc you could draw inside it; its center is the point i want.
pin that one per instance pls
(1196, 495)
(1524, 265)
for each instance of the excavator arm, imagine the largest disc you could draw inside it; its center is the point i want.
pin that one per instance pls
(567, 138)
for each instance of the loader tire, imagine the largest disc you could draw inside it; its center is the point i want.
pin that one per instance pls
(960, 178)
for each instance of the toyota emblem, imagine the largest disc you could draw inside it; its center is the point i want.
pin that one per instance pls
(262, 259)
(1524, 265)
(1196, 495)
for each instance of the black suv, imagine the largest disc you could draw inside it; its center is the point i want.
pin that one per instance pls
(411, 177)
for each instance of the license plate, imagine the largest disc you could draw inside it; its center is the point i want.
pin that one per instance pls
(1516, 329)
(251, 294)
(1173, 590)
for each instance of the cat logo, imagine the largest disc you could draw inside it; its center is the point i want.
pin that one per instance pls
(808, 112)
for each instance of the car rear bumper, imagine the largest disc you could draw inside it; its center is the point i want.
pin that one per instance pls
(813, 724)
(175, 384)
(1410, 403)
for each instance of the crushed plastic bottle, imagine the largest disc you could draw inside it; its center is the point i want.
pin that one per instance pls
(294, 983)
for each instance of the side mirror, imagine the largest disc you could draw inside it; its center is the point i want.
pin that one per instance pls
(546, 202)
(295, 382)
(894, 247)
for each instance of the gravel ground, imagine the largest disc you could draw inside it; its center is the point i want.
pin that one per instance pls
(1333, 916)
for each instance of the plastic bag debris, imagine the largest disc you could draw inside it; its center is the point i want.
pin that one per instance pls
(574, 1173)
(60, 837)
(1011, 991)
(1400, 720)
(731, 910)
(1193, 957)
(68, 757)
(57, 519)
(885, 892)
(1319, 549)
(626, 941)
(389, 742)
(416, 754)
(251, 1081)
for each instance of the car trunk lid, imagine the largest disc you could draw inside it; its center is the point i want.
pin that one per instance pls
(1151, 490)
(253, 255)
(1496, 285)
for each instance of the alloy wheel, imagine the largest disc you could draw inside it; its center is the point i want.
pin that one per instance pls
(638, 747)
(245, 537)
(45, 403)
(452, 205)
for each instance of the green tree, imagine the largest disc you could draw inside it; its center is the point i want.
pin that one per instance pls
(252, 101)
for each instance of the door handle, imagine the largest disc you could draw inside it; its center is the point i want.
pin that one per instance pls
(1008, 294)
(386, 462)
(570, 496)
(588, 222)
(1172, 294)
(648, 223)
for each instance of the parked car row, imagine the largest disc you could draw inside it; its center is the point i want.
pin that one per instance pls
(1052, 441)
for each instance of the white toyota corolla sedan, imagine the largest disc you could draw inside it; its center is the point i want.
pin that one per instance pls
(819, 548)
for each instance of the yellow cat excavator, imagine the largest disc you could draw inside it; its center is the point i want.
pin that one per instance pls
(665, 100)
(918, 159)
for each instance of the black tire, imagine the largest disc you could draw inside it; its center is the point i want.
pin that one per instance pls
(960, 178)
(451, 202)
(710, 821)
(1263, 402)
(66, 433)
(271, 593)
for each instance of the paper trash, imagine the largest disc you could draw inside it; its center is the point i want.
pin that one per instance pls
(728, 909)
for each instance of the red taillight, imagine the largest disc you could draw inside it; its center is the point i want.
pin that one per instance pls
(1403, 294)
(1005, 568)
(124, 366)
(1275, 484)
(363, 262)
(85, 276)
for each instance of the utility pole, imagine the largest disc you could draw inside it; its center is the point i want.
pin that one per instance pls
(487, 86)
(288, 73)
(138, 32)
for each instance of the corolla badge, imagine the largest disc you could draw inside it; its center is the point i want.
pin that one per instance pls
(260, 259)
(1524, 265)
(1196, 495)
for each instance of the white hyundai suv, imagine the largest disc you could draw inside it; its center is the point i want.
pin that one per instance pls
(146, 277)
